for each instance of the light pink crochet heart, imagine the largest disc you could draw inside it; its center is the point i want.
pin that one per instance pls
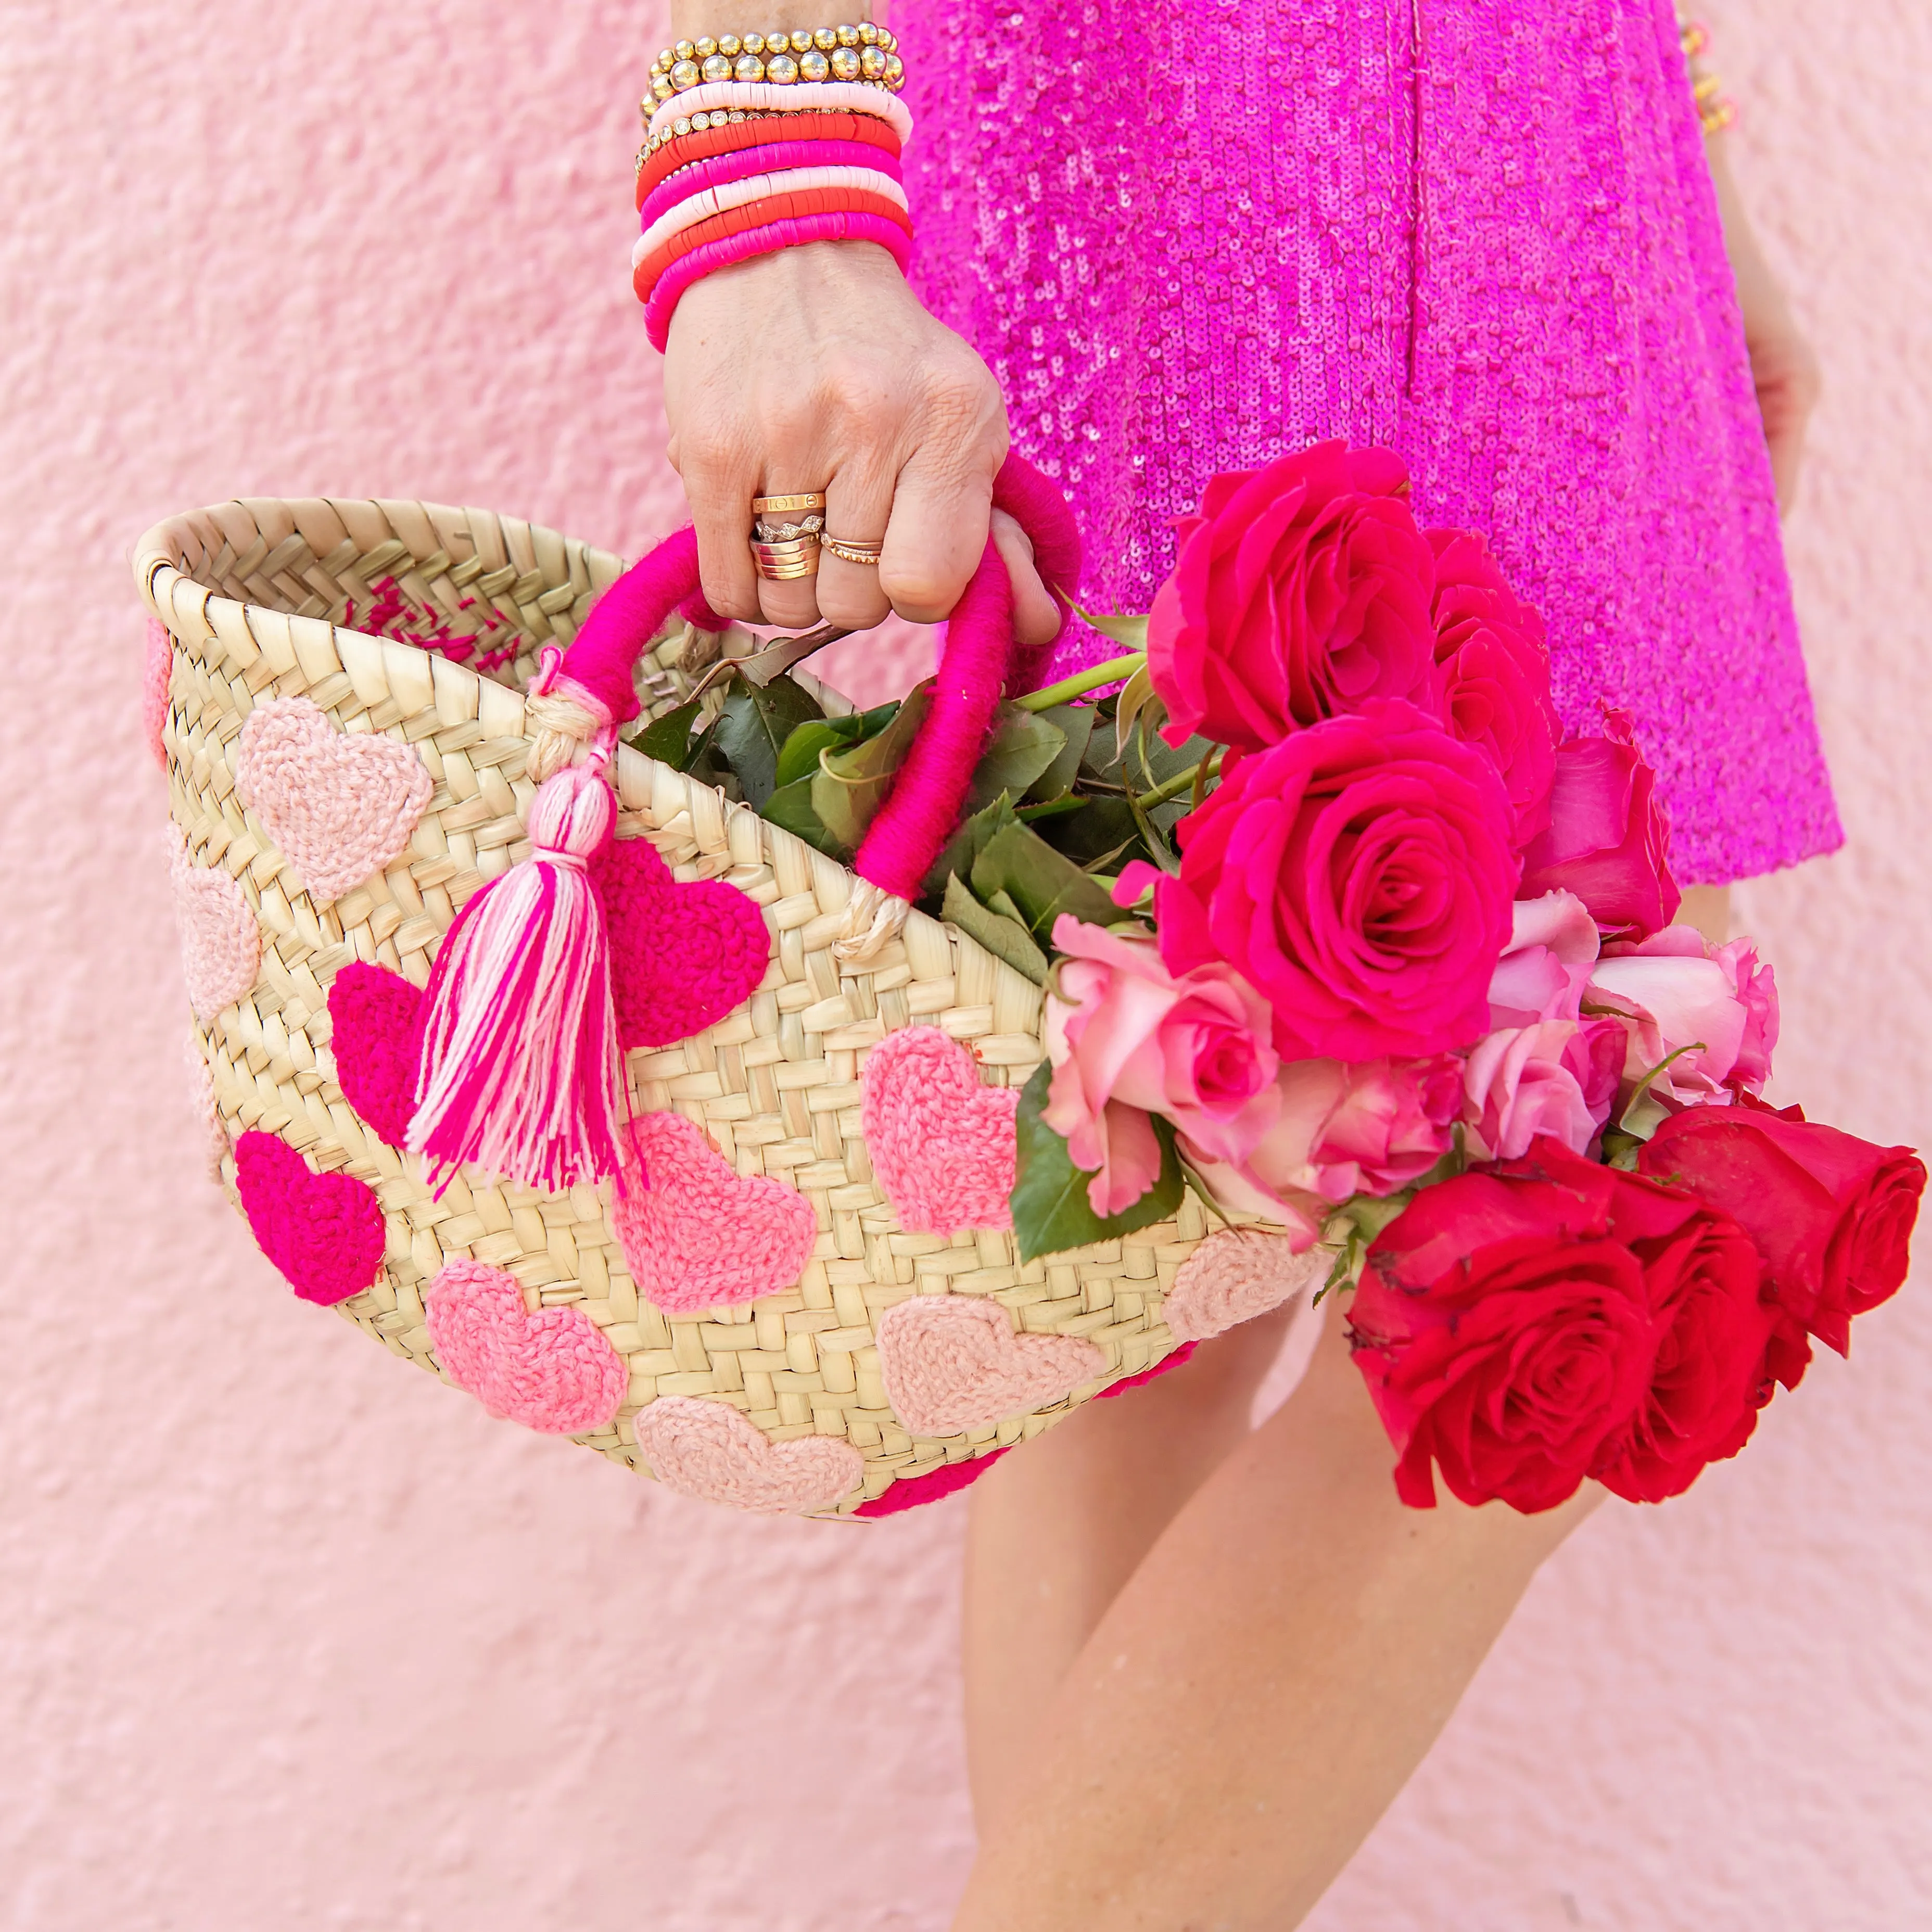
(942, 1146)
(952, 1363)
(709, 1450)
(221, 944)
(1233, 1276)
(157, 674)
(207, 1110)
(682, 956)
(340, 805)
(554, 1370)
(695, 1234)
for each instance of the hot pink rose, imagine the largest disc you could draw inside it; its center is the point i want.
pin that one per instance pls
(1556, 1078)
(1493, 674)
(1609, 837)
(1359, 876)
(1553, 944)
(1127, 1039)
(1674, 991)
(1301, 591)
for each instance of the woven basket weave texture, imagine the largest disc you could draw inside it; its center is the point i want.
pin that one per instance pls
(258, 597)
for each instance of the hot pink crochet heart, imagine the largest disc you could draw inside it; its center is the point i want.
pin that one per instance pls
(942, 1145)
(952, 1363)
(682, 956)
(376, 1022)
(695, 1234)
(554, 1370)
(709, 1450)
(340, 805)
(323, 1231)
(1234, 1275)
(221, 944)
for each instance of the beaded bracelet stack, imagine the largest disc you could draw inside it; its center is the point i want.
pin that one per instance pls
(764, 142)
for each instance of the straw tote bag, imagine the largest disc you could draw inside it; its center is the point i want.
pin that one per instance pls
(337, 689)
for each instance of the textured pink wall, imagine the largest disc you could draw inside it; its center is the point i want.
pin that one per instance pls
(290, 1638)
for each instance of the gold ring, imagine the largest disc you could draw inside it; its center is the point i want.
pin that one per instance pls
(776, 562)
(806, 500)
(866, 553)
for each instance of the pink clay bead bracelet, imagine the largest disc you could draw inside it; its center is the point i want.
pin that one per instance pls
(854, 97)
(705, 203)
(795, 232)
(721, 168)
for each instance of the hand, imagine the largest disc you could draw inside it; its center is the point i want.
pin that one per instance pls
(816, 368)
(1783, 366)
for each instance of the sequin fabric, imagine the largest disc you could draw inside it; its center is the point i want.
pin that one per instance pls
(1189, 236)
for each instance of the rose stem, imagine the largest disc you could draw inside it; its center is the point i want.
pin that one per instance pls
(1112, 672)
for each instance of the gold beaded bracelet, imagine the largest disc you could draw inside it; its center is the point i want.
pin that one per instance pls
(863, 51)
(1716, 111)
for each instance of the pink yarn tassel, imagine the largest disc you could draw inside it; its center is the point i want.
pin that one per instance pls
(915, 820)
(521, 1071)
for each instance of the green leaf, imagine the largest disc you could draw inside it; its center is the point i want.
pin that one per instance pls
(849, 787)
(1138, 702)
(699, 750)
(790, 806)
(1041, 883)
(966, 845)
(1054, 808)
(1004, 938)
(798, 758)
(1051, 1212)
(1076, 723)
(1124, 628)
(667, 738)
(1023, 745)
(753, 727)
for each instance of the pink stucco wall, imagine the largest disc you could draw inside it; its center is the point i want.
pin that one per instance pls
(290, 1638)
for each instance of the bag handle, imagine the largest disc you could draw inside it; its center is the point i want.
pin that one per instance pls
(583, 694)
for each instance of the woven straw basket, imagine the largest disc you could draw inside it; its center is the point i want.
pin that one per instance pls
(256, 597)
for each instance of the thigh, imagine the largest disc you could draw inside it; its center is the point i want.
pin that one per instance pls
(1056, 1531)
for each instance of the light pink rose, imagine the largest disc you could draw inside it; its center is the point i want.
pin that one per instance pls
(1553, 944)
(1673, 990)
(1128, 1040)
(1557, 1078)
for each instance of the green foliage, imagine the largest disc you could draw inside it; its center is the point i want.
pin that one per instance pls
(798, 757)
(667, 738)
(849, 786)
(754, 728)
(1051, 1212)
(1040, 883)
(999, 931)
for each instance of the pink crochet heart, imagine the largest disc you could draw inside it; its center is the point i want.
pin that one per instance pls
(221, 944)
(207, 1110)
(157, 674)
(952, 1362)
(1234, 1275)
(915, 1491)
(554, 1370)
(323, 1231)
(709, 1450)
(695, 1234)
(942, 1145)
(376, 1029)
(340, 805)
(682, 956)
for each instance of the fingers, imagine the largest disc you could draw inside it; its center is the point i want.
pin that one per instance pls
(1035, 615)
(858, 505)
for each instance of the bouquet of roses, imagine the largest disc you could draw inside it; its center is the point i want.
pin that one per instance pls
(1337, 928)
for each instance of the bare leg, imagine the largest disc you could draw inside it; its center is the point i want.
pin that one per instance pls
(1260, 1689)
(1057, 1531)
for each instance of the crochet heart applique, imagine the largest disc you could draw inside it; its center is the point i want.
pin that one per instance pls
(554, 1370)
(942, 1145)
(157, 672)
(376, 1020)
(1234, 1275)
(695, 1234)
(340, 805)
(323, 1231)
(709, 1450)
(221, 944)
(682, 956)
(953, 1363)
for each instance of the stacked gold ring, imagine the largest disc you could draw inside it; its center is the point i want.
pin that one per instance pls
(852, 551)
(780, 548)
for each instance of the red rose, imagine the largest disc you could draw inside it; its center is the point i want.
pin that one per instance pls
(1493, 672)
(1359, 876)
(1301, 592)
(1609, 839)
(1504, 1336)
(1831, 1215)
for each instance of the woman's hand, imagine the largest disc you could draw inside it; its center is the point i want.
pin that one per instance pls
(1783, 366)
(816, 368)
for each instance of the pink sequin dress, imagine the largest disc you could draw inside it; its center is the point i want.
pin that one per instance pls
(1189, 236)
